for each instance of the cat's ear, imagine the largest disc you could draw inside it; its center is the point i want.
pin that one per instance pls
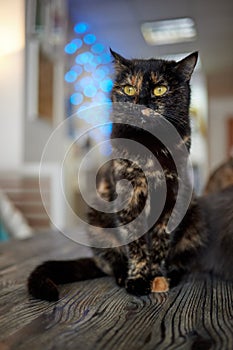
(187, 65)
(119, 61)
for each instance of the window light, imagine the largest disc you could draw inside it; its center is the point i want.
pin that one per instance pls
(169, 31)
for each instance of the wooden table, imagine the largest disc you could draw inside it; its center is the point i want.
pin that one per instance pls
(99, 315)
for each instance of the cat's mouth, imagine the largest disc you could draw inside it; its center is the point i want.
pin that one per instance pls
(139, 116)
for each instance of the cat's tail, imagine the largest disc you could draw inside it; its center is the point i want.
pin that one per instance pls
(42, 282)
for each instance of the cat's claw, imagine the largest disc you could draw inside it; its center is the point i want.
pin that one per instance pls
(138, 286)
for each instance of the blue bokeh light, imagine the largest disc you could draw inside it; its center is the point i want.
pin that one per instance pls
(90, 91)
(106, 58)
(97, 48)
(71, 76)
(90, 75)
(78, 69)
(78, 87)
(70, 48)
(101, 97)
(84, 57)
(90, 66)
(81, 28)
(78, 42)
(106, 129)
(89, 39)
(99, 74)
(106, 85)
(76, 98)
(106, 69)
(84, 107)
(86, 81)
(96, 60)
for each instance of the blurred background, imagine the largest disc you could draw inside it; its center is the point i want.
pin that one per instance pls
(55, 61)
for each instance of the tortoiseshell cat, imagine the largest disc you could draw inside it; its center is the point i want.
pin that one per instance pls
(157, 256)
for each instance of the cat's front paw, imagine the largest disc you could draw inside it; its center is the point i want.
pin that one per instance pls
(138, 286)
(175, 277)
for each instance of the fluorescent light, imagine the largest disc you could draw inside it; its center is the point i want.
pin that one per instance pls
(169, 31)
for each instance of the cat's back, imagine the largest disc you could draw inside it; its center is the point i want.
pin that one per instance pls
(221, 178)
(217, 209)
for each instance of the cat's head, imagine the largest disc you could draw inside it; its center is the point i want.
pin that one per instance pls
(155, 83)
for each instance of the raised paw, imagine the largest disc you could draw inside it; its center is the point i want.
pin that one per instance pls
(160, 284)
(138, 286)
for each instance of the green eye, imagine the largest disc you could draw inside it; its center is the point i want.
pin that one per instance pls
(129, 90)
(160, 90)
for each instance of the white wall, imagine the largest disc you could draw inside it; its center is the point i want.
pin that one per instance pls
(219, 110)
(11, 83)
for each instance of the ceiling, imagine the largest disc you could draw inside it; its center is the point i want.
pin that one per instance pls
(117, 24)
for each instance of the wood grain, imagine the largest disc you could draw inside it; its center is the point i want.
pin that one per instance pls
(198, 314)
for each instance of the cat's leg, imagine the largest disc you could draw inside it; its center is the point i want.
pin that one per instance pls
(139, 273)
(134, 228)
(112, 261)
(159, 242)
(42, 282)
(187, 242)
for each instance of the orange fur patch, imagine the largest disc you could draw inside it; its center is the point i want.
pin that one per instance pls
(154, 78)
(159, 285)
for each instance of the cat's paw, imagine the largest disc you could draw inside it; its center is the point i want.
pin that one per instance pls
(159, 285)
(175, 277)
(46, 290)
(42, 287)
(138, 286)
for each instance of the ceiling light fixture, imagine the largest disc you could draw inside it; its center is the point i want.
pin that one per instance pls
(169, 31)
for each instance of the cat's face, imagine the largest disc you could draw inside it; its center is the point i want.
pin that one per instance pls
(157, 84)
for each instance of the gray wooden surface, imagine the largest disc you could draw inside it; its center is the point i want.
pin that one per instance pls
(99, 315)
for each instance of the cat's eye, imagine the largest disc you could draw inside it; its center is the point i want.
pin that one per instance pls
(129, 90)
(159, 90)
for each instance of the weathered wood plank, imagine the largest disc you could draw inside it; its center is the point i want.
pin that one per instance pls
(97, 314)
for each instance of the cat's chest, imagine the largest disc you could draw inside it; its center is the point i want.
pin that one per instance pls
(153, 170)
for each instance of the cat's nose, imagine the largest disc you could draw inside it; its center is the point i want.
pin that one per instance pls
(143, 100)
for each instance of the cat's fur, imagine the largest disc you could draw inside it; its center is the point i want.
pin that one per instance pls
(221, 177)
(156, 253)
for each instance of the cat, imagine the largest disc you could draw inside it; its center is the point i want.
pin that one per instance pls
(221, 177)
(157, 256)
